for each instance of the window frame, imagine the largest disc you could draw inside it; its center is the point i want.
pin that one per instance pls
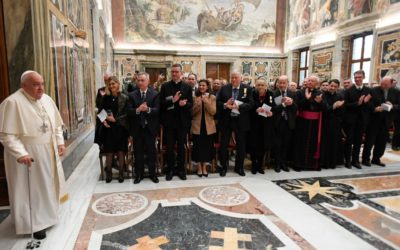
(306, 63)
(362, 59)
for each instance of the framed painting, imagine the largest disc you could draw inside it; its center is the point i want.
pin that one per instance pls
(322, 63)
(187, 66)
(246, 68)
(261, 69)
(390, 51)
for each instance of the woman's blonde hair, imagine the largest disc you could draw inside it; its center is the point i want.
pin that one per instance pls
(113, 79)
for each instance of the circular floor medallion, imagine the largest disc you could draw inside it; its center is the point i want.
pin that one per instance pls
(224, 196)
(119, 204)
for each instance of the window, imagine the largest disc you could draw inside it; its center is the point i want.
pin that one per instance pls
(303, 65)
(361, 55)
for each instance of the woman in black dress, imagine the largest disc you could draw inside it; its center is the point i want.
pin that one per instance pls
(203, 127)
(114, 130)
(261, 125)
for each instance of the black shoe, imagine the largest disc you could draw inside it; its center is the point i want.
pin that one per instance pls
(378, 162)
(121, 177)
(240, 172)
(222, 172)
(366, 163)
(347, 165)
(169, 176)
(277, 169)
(205, 175)
(284, 168)
(108, 176)
(182, 176)
(356, 165)
(40, 235)
(261, 171)
(154, 179)
(254, 171)
(137, 180)
(199, 174)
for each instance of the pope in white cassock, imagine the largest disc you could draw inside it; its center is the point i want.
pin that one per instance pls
(31, 132)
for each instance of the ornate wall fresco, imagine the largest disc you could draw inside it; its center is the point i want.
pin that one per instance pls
(307, 16)
(251, 67)
(387, 60)
(71, 61)
(201, 22)
(322, 63)
(59, 61)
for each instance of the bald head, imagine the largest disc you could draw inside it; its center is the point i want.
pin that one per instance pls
(386, 82)
(33, 84)
(282, 83)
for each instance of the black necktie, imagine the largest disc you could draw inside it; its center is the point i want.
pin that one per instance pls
(142, 116)
(143, 96)
(235, 93)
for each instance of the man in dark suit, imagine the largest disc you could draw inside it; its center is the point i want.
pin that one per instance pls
(285, 121)
(383, 105)
(143, 110)
(192, 82)
(176, 102)
(235, 101)
(356, 118)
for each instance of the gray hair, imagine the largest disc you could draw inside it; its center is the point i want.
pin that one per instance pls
(315, 77)
(146, 75)
(236, 72)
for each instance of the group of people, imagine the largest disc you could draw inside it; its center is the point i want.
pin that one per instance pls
(316, 126)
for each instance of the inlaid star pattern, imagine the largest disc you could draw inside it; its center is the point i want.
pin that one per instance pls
(315, 188)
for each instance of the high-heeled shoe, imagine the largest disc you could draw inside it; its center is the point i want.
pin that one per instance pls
(199, 174)
(205, 175)
(108, 175)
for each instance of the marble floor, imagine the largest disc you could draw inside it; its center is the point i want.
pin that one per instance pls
(332, 209)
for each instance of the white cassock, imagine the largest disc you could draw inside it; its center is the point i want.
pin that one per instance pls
(32, 127)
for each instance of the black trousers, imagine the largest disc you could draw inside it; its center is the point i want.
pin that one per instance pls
(282, 142)
(396, 134)
(144, 142)
(354, 133)
(175, 136)
(376, 136)
(240, 137)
